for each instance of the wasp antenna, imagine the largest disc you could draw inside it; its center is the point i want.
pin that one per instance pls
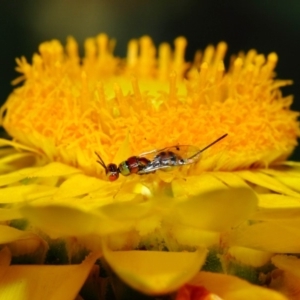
(214, 142)
(208, 146)
(100, 161)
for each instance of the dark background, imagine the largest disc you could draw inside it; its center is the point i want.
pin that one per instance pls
(266, 25)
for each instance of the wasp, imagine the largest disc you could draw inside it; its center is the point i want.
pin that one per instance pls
(149, 162)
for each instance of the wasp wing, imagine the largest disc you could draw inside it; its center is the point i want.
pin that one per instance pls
(184, 151)
(168, 157)
(152, 169)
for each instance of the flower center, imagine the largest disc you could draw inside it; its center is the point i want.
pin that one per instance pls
(69, 107)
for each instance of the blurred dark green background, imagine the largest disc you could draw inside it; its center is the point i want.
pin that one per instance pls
(265, 25)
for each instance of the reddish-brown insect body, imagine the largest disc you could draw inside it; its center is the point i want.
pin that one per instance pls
(133, 165)
(130, 166)
(162, 159)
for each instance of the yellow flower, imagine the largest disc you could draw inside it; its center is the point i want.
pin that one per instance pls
(230, 211)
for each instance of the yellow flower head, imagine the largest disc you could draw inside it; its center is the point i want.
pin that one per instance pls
(69, 107)
(234, 208)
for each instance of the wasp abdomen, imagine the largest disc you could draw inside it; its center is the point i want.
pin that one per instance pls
(168, 158)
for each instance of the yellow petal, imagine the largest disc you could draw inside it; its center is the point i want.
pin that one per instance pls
(4, 142)
(288, 176)
(194, 185)
(15, 176)
(282, 171)
(78, 185)
(9, 214)
(15, 160)
(230, 179)
(44, 282)
(127, 211)
(53, 169)
(50, 170)
(272, 236)
(250, 257)
(153, 272)
(294, 165)
(21, 193)
(23, 242)
(290, 181)
(7, 151)
(276, 201)
(194, 237)
(60, 221)
(148, 224)
(218, 209)
(9, 234)
(268, 182)
(232, 288)
(276, 207)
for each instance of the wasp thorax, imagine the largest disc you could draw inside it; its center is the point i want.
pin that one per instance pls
(133, 165)
(130, 166)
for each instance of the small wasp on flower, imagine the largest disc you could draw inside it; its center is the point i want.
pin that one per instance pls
(149, 162)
